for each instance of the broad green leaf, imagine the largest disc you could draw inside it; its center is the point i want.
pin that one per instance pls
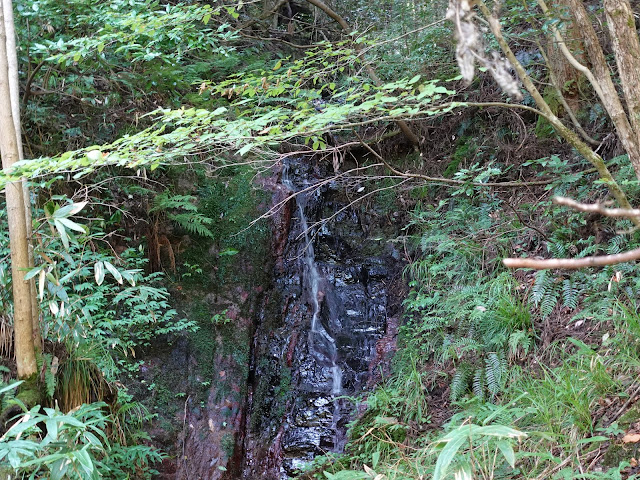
(63, 232)
(59, 468)
(499, 431)
(71, 225)
(245, 149)
(375, 458)
(114, 271)
(34, 271)
(52, 428)
(6, 388)
(506, 449)
(84, 459)
(450, 451)
(98, 269)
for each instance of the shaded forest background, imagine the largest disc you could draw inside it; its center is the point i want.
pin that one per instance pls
(152, 131)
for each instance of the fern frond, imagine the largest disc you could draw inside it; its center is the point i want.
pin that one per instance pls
(557, 249)
(519, 341)
(617, 244)
(494, 372)
(461, 381)
(194, 223)
(543, 282)
(570, 294)
(479, 383)
(167, 201)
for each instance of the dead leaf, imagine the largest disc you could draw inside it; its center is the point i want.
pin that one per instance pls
(631, 438)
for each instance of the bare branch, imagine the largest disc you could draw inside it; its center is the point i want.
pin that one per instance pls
(597, 208)
(450, 181)
(563, 101)
(572, 263)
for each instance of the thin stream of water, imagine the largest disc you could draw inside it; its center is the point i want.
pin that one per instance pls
(321, 344)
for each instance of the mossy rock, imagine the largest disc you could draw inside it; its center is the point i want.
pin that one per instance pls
(630, 416)
(30, 392)
(619, 452)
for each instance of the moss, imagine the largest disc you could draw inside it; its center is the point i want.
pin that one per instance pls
(630, 416)
(271, 395)
(6, 473)
(619, 452)
(228, 444)
(30, 392)
(543, 127)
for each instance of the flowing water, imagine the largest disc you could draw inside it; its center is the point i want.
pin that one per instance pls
(322, 346)
(316, 342)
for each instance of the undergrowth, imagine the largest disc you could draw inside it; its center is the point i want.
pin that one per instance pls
(503, 374)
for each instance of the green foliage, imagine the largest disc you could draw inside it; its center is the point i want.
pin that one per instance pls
(181, 210)
(491, 440)
(112, 59)
(46, 442)
(83, 305)
(482, 322)
(179, 134)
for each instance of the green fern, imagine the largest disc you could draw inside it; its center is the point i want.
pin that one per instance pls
(544, 293)
(479, 386)
(461, 381)
(193, 223)
(570, 293)
(519, 343)
(495, 372)
(166, 201)
(182, 210)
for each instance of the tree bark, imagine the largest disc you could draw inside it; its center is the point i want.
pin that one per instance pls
(22, 314)
(14, 87)
(626, 48)
(569, 135)
(608, 94)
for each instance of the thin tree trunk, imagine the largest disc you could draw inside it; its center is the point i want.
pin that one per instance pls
(626, 47)
(14, 87)
(608, 94)
(22, 314)
(569, 135)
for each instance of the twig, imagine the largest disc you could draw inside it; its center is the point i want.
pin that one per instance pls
(525, 223)
(450, 181)
(623, 408)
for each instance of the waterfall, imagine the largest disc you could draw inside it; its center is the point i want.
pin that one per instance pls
(322, 346)
(316, 343)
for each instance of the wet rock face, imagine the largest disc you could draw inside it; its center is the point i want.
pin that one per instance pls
(317, 337)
